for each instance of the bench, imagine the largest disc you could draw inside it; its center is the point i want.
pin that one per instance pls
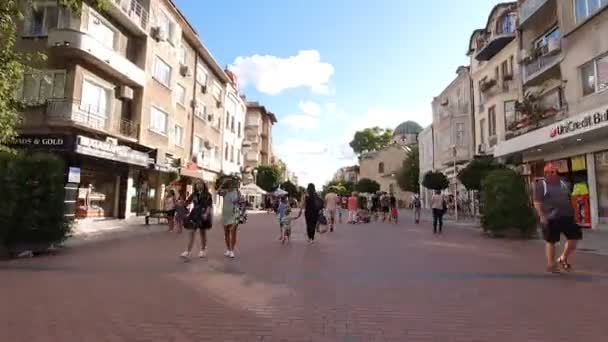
(156, 214)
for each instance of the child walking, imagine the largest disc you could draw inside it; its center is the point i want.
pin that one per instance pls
(285, 220)
(180, 212)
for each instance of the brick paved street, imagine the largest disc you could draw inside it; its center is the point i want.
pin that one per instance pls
(361, 283)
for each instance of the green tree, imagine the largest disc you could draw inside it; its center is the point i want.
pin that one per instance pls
(408, 177)
(291, 189)
(371, 139)
(474, 173)
(339, 187)
(268, 177)
(435, 180)
(13, 64)
(367, 185)
(506, 203)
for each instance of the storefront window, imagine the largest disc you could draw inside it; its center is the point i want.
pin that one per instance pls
(97, 194)
(601, 174)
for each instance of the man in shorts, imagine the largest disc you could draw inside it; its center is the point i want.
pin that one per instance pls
(385, 204)
(552, 203)
(331, 204)
(394, 208)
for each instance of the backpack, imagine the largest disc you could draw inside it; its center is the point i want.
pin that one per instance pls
(561, 182)
(417, 203)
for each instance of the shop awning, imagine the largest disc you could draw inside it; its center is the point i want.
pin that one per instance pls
(199, 174)
(578, 126)
(252, 190)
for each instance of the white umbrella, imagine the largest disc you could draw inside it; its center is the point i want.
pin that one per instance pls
(280, 192)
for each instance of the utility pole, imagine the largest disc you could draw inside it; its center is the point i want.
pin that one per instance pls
(454, 154)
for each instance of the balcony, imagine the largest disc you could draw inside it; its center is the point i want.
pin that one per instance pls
(73, 112)
(493, 43)
(530, 9)
(68, 43)
(252, 157)
(131, 14)
(537, 66)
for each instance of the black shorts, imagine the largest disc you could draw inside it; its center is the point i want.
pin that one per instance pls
(562, 225)
(170, 213)
(385, 209)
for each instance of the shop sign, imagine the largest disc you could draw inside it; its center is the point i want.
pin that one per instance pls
(110, 150)
(74, 175)
(44, 141)
(586, 121)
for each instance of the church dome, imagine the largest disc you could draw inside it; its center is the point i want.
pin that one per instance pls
(407, 128)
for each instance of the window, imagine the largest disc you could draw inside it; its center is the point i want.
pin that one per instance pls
(41, 86)
(505, 70)
(511, 72)
(510, 114)
(166, 25)
(179, 136)
(95, 98)
(40, 20)
(551, 101)
(239, 130)
(492, 121)
(553, 35)
(180, 95)
(232, 153)
(201, 75)
(158, 120)
(238, 157)
(101, 31)
(227, 120)
(507, 23)
(232, 124)
(197, 145)
(216, 152)
(496, 74)
(585, 8)
(162, 72)
(183, 54)
(226, 151)
(594, 76)
(482, 131)
(381, 167)
(217, 91)
(459, 134)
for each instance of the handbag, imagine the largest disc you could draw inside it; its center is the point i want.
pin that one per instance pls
(322, 223)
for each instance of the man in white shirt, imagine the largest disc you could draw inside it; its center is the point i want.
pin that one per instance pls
(331, 204)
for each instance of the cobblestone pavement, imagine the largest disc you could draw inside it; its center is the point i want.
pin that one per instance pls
(374, 282)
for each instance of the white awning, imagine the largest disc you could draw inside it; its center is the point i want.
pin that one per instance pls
(252, 189)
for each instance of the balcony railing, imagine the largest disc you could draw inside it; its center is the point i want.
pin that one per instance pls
(73, 111)
(529, 8)
(135, 11)
(545, 59)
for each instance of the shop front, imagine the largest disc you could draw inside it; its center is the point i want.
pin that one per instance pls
(579, 147)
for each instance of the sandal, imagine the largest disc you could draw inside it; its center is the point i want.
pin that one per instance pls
(564, 264)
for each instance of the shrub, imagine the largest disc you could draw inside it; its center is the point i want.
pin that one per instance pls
(472, 175)
(32, 201)
(367, 185)
(506, 203)
(435, 180)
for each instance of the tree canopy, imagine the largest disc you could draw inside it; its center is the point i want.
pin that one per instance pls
(291, 189)
(435, 180)
(268, 177)
(408, 177)
(367, 185)
(472, 176)
(371, 139)
(14, 64)
(339, 187)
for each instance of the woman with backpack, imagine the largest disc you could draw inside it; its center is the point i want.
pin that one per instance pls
(312, 205)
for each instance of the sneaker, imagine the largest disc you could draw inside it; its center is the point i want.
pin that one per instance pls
(231, 255)
(202, 253)
(227, 253)
(185, 255)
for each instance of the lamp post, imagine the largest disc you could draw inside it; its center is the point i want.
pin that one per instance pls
(454, 154)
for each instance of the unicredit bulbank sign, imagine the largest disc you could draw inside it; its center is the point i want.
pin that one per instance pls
(573, 125)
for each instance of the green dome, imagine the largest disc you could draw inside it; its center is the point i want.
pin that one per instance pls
(408, 127)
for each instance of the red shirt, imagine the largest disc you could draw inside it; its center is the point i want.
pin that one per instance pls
(352, 203)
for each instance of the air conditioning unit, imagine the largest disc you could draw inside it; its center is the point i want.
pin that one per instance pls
(184, 70)
(159, 34)
(210, 117)
(525, 54)
(125, 92)
(207, 144)
(112, 141)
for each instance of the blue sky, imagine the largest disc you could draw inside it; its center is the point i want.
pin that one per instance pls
(329, 67)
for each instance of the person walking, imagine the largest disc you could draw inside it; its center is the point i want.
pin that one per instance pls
(352, 208)
(331, 205)
(181, 212)
(200, 218)
(385, 204)
(552, 203)
(312, 206)
(439, 207)
(394, 209)
(169, 207)
(417, 204)
(375, 206)
(230, 215)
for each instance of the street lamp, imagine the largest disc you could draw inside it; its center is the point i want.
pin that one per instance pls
(454, 154)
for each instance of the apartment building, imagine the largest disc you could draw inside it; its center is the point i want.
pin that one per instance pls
(493, 51)
(453, 124)
(348, 174)
(119, 98)
(258, 135)
(234, 127)
(565, 62)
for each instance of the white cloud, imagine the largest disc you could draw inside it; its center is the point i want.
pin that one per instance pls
(301, 121)
(310, 108)
(272, 75)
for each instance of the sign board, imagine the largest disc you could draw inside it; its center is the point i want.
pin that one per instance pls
(73, 175)
(108, 150)
(43, 141)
